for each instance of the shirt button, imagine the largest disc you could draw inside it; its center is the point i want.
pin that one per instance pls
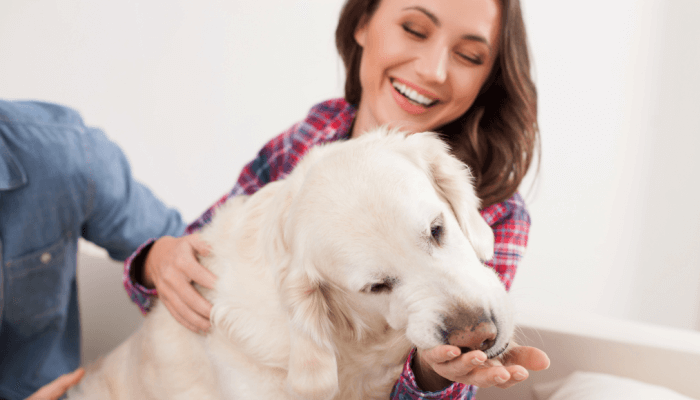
(45, 258)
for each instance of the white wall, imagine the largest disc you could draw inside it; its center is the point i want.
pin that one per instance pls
(191, 90)
(615, 228)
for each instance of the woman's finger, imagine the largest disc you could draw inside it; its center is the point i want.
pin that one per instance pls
(56, 389)
(440, 354)
(194, 269)
(192, 299)
(486, 377)
(199, 245)
(460, 366)
(517, 375)
(184, 315)
(528, 357)
(199, 274)
(200, 323)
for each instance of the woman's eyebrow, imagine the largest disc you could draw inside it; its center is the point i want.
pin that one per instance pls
(430, 15)
(477, 38)
(436, 21)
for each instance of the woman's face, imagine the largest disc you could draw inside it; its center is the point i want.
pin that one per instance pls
(424, 61)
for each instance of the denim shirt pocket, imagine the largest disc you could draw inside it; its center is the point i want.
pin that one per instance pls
(38, 291)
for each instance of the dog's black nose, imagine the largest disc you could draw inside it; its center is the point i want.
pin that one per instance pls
(470, 332)
(482, 337)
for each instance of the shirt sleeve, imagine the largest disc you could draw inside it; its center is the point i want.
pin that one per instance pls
(510, 222)
(121, 213)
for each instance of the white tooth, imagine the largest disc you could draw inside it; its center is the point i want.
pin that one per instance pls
(411, 94)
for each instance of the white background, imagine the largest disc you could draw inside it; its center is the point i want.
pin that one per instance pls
(192, 90)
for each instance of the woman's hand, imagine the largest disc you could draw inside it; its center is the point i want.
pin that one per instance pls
(171, 266)
(56, 389)
(437, 368)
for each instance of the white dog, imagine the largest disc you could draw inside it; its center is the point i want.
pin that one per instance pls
(326, 280)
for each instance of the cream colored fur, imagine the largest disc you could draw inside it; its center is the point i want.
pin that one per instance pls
(294, 315)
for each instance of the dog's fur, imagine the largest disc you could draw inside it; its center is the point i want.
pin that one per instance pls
(326, 280)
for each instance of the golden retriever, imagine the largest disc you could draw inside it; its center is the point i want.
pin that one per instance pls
(326, 280)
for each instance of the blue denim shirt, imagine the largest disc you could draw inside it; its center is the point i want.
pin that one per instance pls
(59, 180)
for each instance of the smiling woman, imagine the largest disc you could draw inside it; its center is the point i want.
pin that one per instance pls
(459, 67)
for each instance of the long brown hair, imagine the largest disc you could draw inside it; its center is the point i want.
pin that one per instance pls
(498, 136)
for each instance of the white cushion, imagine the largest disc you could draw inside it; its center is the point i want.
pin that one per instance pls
(595, 386)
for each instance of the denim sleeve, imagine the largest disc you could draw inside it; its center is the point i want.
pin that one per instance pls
(122, 213)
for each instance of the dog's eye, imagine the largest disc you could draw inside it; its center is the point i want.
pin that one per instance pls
(436, 232)
(380, 287)
(385, 286)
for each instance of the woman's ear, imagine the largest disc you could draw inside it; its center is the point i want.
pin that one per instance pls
(361, 31)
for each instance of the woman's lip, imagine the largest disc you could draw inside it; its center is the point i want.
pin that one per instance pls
(431, 96)
(405, 104)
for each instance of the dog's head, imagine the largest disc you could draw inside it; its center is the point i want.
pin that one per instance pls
(384, 231)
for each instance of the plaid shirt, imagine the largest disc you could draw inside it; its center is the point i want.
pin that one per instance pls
(331, 121)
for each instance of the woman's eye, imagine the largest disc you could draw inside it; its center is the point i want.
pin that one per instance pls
(473, 60)
(407, 28)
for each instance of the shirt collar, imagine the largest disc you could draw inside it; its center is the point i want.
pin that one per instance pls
(12, 173)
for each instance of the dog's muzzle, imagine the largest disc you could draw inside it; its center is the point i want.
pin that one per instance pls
(470, 330)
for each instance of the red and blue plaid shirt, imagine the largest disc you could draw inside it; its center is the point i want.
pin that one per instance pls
(331, 121)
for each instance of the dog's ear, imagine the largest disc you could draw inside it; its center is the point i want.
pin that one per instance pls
(454, 183)
(313, 370)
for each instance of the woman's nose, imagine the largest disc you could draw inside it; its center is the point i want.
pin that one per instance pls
(432, 65)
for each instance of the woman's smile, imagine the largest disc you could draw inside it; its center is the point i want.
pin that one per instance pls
(411, 98)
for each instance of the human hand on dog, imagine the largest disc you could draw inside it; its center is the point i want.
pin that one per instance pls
(437, 368)
(171, 266)
(59, 386)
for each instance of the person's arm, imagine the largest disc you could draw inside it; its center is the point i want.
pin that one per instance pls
(120, 212)
(443, 372)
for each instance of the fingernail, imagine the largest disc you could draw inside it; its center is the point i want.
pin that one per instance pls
(478, 360)
(453, 353)
(500, 379)
(519, 376)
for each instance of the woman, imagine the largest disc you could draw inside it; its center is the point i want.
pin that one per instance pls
(459, 67)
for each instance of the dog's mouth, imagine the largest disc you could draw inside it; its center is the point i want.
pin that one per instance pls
(497, 353)
(489, 353)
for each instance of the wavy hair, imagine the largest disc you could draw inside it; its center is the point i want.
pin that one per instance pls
(498, 136)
